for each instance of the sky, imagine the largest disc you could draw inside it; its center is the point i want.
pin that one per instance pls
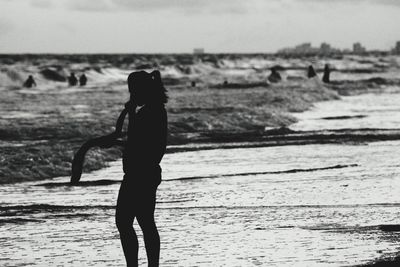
(178, 26)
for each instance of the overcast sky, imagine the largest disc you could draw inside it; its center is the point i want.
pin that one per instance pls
(150, 26)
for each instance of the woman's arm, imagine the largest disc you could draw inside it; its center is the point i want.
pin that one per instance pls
(120, 121)
(112, 138)
(106, 141)
(122, 116)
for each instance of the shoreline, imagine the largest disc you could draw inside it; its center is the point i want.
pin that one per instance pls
(212, 141)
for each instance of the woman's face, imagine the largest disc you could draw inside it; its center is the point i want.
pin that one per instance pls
(138, 94)
(139, 83)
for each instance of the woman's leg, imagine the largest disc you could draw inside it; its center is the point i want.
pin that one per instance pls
(145, 218)
(124, 219)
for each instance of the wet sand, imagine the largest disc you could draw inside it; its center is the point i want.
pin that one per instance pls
(267, 210)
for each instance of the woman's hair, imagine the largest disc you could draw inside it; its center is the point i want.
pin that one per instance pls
(150, 82)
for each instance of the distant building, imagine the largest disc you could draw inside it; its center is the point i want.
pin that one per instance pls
(307, 49)
(396, 49)
(304, 48)
(358, 48)
(301, 49)
(198, 51)
(325, 48)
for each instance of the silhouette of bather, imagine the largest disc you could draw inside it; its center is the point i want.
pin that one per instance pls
(327, 72)
(311, 72)
(275, 76)
(29, 82)
(82, 80)
(72, 80)
(144, 149)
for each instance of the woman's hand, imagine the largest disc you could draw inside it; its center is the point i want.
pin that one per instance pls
(130, 104)
(108, 140)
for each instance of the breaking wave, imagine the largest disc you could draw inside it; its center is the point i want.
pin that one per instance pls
(53, 70)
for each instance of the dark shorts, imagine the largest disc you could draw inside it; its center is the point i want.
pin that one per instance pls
(137, 194)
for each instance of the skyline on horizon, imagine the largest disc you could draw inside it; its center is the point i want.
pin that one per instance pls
(179, 26)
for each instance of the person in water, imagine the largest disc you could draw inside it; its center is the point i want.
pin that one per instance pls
(311, 72)
(82, 80)
(30, 82)
(143, 151)
(327, 72)
(275, 76)
(72, 80)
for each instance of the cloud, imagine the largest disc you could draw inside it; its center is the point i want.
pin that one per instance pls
(185, 6)
(389, 2)
(89, 5)
(194, 7)
(42, 3)
(191, 6)
(374, 2)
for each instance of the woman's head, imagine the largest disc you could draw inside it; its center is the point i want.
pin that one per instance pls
(146, 88)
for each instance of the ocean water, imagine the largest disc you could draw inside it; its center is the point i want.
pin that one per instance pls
(313, 205)
(103, 70)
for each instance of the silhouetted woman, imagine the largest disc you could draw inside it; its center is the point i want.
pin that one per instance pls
(145, 147)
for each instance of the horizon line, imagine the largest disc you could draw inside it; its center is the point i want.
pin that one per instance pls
(184, 53)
